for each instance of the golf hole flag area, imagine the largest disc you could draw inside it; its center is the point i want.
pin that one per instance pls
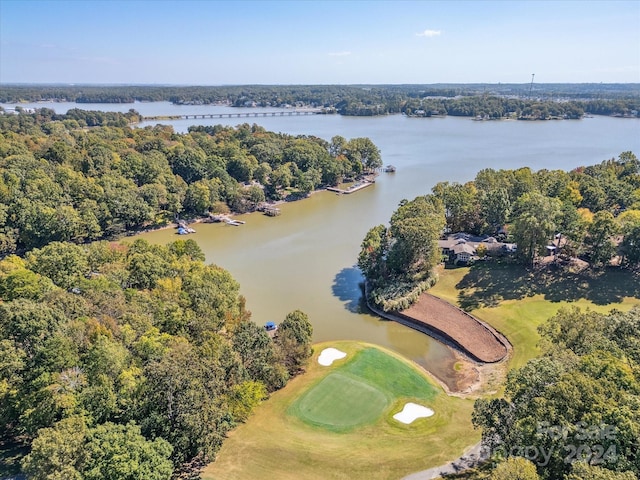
(361, 390)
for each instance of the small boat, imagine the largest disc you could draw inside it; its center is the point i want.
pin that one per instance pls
(390, 169)
(271, 329)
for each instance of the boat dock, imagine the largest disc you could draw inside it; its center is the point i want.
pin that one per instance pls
(226, 219)
(271, 329)
(353, 188)
(235, 223)
(184, 228)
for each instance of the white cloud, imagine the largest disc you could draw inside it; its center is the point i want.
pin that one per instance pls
(429, 33)
(339, 54)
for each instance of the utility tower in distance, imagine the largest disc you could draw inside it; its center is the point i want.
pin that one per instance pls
(531, 86)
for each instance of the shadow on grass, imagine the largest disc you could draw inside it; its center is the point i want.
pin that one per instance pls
(347, 286)
(487, 284)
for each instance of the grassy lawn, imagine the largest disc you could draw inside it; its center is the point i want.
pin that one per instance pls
(279, 441)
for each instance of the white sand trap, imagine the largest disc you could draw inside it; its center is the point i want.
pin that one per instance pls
(328, 355)
(411, 412)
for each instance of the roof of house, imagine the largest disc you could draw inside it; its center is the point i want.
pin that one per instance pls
(463, 247)
(465, 242)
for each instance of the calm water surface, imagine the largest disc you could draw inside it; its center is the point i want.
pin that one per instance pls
(304, 259)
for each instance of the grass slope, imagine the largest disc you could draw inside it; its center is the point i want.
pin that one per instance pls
(516, 301)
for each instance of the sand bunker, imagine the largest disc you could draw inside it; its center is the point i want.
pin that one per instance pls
(411, 412)
(328, 355)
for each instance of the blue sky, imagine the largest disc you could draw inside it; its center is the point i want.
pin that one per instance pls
(318, 42)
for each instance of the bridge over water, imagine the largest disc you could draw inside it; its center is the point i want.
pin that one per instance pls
(280, 113)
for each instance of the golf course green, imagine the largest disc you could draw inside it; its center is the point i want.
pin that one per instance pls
(359, 390)
(337, 422)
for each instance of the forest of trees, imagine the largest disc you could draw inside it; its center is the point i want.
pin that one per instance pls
(397, 261)
(592, 213)
(595, 210)
(573, 413)
(524, 101)
(133, 360)
(130, 361)
(84, 176)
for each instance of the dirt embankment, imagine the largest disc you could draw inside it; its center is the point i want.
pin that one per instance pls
(479, 349)
(475, 338)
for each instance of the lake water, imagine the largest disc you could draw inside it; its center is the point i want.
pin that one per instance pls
(304, 259)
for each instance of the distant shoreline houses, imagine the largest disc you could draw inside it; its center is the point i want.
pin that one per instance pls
(461, 248)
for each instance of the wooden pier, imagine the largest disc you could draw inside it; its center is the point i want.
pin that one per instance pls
(353, 188)
(226, 219)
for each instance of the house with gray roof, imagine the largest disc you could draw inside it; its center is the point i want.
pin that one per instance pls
(461, 248)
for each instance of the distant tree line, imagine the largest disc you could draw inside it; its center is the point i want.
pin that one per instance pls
(84, 176)
(493, 107)
(525, 101)
(131, 360)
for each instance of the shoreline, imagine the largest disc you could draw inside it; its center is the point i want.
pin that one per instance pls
(207, 219)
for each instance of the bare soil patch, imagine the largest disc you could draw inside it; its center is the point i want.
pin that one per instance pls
(466, 332)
